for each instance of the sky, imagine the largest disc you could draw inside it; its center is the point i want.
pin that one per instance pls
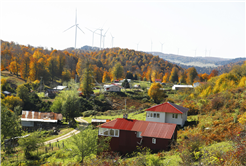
(189, 28)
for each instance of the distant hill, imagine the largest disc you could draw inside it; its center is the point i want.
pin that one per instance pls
(202, 64)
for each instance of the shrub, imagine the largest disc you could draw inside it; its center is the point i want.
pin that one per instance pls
(217, 103)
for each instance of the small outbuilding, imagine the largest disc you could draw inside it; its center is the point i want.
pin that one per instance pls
(127, 134)
(35, 120)
(59, 87)
(179, 87)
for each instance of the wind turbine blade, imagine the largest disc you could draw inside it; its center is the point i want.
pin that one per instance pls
(76, 16)
(69, 28)
(80, 29)
(89, 29)
(106, 32)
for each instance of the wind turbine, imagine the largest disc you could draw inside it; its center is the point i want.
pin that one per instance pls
(151, 45)
(137, 45)
(112, 39)
(93, 36)
(104, 37)
(76, 26)
(195, 52)
(161, 46)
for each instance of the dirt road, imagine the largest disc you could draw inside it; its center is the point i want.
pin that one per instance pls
(75, 131)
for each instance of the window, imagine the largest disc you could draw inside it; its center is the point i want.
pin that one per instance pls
(175, 116)
(158, 115)
(154, 115)
(147, 114)
(150, 114)
(139, 134)
(153, 141)
(109, 132)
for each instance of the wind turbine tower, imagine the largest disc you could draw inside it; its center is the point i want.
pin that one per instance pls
(76, 26)
(151, 45)
(93, 36)
(101, 37)
(195, 52)
(112, 39)
(161, 46)
(137, 45)
(104, 37)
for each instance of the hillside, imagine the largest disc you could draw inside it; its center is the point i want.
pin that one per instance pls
(33, 63)
(202, 64)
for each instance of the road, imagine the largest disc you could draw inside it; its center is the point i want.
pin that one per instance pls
(75, 131)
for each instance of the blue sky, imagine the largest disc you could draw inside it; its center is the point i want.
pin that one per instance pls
(212, 28)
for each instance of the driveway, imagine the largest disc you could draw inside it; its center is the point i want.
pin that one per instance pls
(75, 131)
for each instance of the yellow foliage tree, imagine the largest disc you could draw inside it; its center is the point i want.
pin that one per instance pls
(155, 92)
(11, 102)
(242, 82)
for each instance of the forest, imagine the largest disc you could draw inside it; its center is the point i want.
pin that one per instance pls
(32, 64)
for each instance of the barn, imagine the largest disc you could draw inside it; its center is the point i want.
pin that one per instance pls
(127, 134)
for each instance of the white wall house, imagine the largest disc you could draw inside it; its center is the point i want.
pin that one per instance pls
(177, 87)
(167, 113)
(112, 88)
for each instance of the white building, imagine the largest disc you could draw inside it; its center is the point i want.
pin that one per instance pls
(112, 88)
(59, 87)
(167, 113)
(177, 87)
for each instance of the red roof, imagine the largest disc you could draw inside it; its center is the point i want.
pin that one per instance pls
(168, 107)
(148, 129)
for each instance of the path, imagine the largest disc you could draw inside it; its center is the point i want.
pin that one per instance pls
(75, 131)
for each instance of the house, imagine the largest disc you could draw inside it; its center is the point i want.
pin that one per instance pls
(51, 93)
(59, 87)
(35, 120)
(137, 86)
(158, 80)
(112, 88)
(127, 134)
(167, 113)
(179, 87)
(6, 93)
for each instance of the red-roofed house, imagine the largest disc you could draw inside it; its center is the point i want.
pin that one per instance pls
(127, 134)
(167, 113)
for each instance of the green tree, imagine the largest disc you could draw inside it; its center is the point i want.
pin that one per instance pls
(118, 71)
(87, 80)
(23, 92)
(11, 102)
(125, 84)
(31, 143)
(10, 125)
(68, 104)
(156, 93)
(174, 75)
(87, 142)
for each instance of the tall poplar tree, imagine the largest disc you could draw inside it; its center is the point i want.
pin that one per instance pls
(87, 80)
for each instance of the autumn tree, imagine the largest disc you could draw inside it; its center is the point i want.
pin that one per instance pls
(52, 67)
(66, 75)
(174, 75)
(182, 77)
(98, 74)
(153, 75)
(25, 68)
(87, 80)
(165, 78)
(106, 77)
(213, 73)
(156, 93)
(191, 75)
(118, 71)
